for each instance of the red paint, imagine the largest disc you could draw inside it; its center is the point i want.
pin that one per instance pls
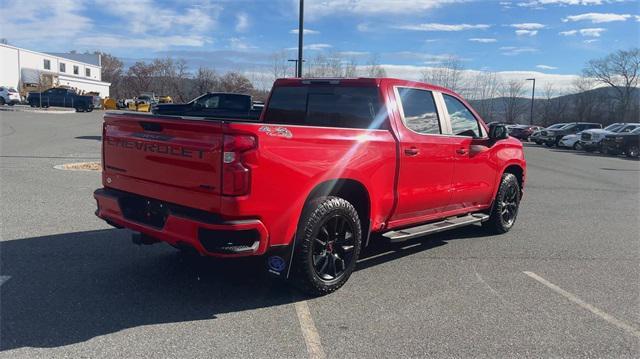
(410, 178)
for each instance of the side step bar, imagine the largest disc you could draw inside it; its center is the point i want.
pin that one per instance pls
(435, 227)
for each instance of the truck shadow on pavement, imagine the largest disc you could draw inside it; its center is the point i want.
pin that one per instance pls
(68, 288)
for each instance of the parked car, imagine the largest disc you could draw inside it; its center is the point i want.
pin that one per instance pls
(330, 162)
(619, 143)
(571, 141)
(591, 140)
(62, 97)
(212, 104)
(535, 136)
(523, 132)
(551, 137)
(9, 96)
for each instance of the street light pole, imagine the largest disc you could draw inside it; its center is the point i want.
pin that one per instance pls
(300, 42)
(533, 94)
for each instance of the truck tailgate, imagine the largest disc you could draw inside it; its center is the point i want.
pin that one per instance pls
(173, 160)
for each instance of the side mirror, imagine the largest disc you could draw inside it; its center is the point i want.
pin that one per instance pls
(498, 131)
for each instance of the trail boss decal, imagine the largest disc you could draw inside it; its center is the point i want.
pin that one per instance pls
(166, 149)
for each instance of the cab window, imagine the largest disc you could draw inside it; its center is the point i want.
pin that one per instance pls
(419, 111)
(463, 123)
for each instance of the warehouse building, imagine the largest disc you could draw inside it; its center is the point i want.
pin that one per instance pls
(27, 70)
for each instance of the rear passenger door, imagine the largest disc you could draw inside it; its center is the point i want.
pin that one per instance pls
(474, 177)
(426, 158)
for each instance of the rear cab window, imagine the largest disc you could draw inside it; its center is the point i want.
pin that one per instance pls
(327, 105)
(419, 111)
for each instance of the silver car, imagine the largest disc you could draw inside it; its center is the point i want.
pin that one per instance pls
(9, 96)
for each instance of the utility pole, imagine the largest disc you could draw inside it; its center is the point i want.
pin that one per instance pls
(296, 68)
(300, 42)
(533, 94)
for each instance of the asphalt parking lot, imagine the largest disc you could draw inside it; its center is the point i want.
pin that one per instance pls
(563, 283)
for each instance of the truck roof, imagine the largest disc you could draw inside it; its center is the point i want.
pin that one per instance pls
(359, 81)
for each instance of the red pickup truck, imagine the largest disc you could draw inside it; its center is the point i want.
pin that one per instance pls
(329, 163)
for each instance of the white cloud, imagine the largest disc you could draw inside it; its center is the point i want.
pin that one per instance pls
(592, 32)
(563, 83)
(240, 44)
(528, 26)
(145, 16)
(370, 7)
(353, 53)
(590, 41)
(242, 22)
(304, 31)
(33, 21)
(313, 47)
(484, 40)
(546, 67)
(597, 18)
(443, 27)
(156, 43)
(588, 32)
(542, 3)
(526, 32)
(514, 50)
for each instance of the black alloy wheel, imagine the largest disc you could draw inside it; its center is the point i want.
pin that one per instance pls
(333, 246)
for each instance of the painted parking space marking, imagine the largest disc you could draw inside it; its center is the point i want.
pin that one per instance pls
(309, 331)
(3, 279)
(609, 318)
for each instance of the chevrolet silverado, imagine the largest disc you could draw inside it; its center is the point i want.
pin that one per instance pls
(329, 163)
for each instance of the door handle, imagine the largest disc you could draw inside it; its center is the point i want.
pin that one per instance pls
(411, 151)
(461, 151)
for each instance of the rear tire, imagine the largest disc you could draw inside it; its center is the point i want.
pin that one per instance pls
(505, 206)
(632, 152)
(548, 144)
(327, 245)
(2, 102)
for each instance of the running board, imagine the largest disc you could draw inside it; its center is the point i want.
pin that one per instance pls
(435, 227)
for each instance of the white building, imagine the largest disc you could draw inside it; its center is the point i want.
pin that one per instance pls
(27, 70)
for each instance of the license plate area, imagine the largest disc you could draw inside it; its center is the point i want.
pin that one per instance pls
(146, 211)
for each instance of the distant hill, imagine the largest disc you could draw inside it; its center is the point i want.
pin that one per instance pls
(597, 105)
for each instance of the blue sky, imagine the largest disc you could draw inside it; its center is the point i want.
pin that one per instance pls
(548, 36)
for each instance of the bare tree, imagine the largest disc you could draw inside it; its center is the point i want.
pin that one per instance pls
(280, 64)
(235, 82)
(584, 99)
(482, 88)
(373, 67)
(206, 80)
(112, 71)
(619, 70)
(139, 77)
(351, 68)
(511, 93)
(447, 74)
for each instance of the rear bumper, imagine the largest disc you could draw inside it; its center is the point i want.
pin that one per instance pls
(180, 226)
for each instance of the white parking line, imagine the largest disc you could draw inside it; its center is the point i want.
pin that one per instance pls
(3, 279)
(309, 332)
(609, 318)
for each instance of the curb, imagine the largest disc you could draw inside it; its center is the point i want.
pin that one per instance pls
(19, 108)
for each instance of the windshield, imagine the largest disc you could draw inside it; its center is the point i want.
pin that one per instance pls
(556, 126)
(613, 127)
(636, 131)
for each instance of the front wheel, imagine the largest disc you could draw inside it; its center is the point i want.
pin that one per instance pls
(327, 245)
(505, 207)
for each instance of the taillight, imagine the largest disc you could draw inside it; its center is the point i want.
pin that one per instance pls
(236, 175)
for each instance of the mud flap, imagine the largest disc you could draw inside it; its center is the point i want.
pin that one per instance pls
(278, 261)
